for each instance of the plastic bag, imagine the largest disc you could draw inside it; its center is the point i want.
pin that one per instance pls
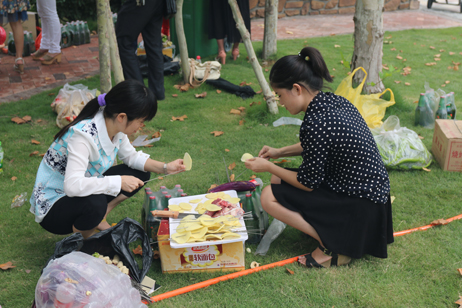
(287, 121)
(81, 280)
(400, 147)
(19, 200)
(275, 229)
(70, 101)
(371, 107)
(109, 242)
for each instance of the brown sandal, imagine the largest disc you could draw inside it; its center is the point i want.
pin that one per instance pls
(36, 56)
(336, 260)
(49, 60)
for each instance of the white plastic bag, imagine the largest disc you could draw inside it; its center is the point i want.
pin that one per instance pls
(70, 101)
(400, 147)
(81, 280)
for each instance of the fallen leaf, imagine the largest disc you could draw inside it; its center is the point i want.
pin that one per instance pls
(175, 95)
(156, 135)
(393, 49)
(41, 155)
(451, 53)
(7, 265)
(27, 118)
(35, 141)
(148, 146)
(441, 50)
(241, 109)
(289, 32)
(426, 169)
(459, 302)
(231, 177)
(226, 150)
(397, 81)
(248, 83)
(177, 86)
(258, 92)
(290, 271)
(185, 88)
(212, 186)
(456, 68)
(160, 178)
(399, 57)
(437, 55)
(33, 153)
(266, 69)
(460, 271)
(421, 137)
(242, 83)
(218, 91)
(138, 250)
(18, 120)
(430, 63)
(447, 82)
(439, 222)
(14, 178)
(253, 176)
(179, 118)
(28, 271)
(235, 111)
(407, 84)
(437, 59)
(443, 85)
(337, 46)
(217, 133)
(241, 122)
(51, 94)
(39, 121)
(431, 47)
(232, 166)
(392, 198)
(388, 37)
(202, 95)
(156, 254)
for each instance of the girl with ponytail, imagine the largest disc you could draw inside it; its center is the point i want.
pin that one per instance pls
(77, 185)
(340, 193)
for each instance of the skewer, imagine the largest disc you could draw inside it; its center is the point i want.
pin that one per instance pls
(162, 177)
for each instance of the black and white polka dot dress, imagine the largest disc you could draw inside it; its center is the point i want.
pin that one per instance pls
(349, 206)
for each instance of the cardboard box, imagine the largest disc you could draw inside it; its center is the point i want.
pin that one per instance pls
(447, 144)
(205, 258)
(28, 25)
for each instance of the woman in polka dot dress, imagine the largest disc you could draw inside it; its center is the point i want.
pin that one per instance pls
(340, 193)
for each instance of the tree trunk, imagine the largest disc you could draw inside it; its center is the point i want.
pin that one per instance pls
(104, 63)
(368, 38)
(270, 99)
(270, 46)
(113, 48)
(182, 41)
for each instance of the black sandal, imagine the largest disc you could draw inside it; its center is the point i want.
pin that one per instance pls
(336, 259)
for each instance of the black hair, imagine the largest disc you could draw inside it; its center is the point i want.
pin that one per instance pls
(307, 68)
(130, 97)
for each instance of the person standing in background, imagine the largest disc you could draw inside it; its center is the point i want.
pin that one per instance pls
(50, 49)
(15, 12)
(222, 24)
(145, 17)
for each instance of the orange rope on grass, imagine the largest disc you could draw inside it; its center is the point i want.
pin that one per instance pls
(212, 281)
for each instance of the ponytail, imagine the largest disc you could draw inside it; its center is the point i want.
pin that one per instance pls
(308, 68)
(130, 97)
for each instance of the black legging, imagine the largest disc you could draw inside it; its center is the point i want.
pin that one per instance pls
(85, 213)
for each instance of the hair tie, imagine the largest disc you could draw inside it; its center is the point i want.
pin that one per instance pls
(306, 57)
(101, 100)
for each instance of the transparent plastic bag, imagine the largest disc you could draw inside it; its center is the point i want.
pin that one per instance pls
(70, 101)
(287, 121)
(19, 200)
(80, 280)
(400, 147)
(275, 229)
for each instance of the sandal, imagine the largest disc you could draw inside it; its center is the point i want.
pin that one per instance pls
(19, 67)
(336, 259)
(49, 60)
(38, 54)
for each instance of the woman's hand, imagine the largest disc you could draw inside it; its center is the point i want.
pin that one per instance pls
(268, 152)
(176, 166)
(258, 164)
(130, 183)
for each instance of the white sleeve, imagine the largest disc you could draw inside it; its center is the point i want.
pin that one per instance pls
(75, 183)
(132, 158)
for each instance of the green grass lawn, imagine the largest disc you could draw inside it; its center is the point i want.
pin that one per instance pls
(421, 270)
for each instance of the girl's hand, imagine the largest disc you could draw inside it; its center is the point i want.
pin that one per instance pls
(258, 164)
(130, 183)
(176, 166)
(268, 152)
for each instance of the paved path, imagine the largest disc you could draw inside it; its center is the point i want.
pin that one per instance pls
(81, 61)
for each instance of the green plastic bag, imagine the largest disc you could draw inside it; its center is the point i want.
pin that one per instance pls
(400, 147)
